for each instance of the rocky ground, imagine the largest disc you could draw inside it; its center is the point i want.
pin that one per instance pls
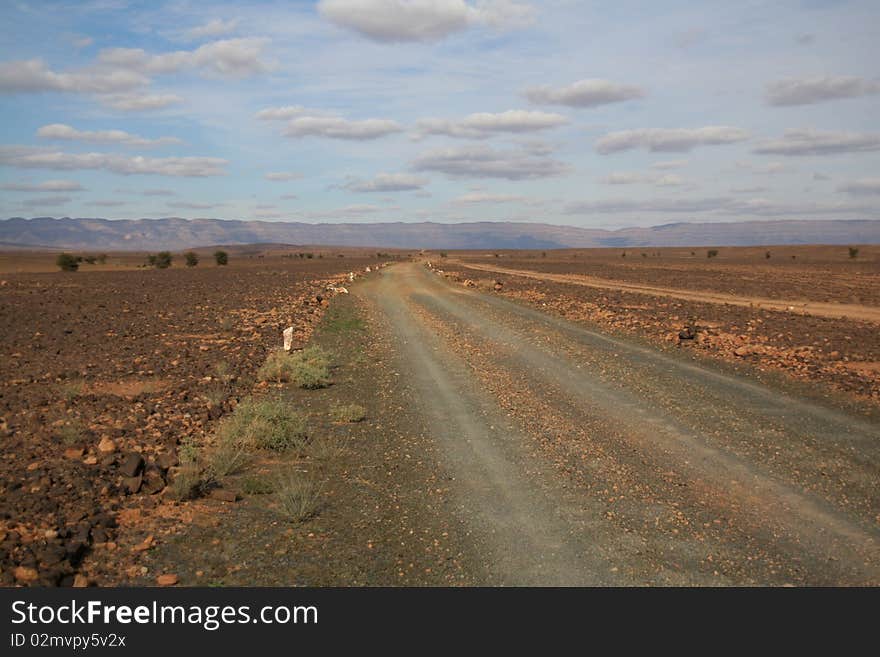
(104, 375)
(839, 354)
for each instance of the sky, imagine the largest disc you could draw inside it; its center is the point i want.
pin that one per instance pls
(593, 114)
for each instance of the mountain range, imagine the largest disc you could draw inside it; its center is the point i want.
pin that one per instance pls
(175, 233)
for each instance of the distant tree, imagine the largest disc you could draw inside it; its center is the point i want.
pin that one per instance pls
(623, 255)
(853, 252)
(102, 258)
(67, 262)
(309, 256)
(163, 260)
(712, 253)
(191, 258)
(221, 257)
(443, 254)
(151, 260)
(767, 255)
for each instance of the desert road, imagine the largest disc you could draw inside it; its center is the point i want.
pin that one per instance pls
(580, 458)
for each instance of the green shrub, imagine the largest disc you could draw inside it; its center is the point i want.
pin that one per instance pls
(67, 262)
(221, 257)
(191, 258)
(253, 485)
(226, 459)
(161, 260)
(189, 481)
(309, 368)
(263, 424)
(348, 413)
(853, 252)
(711, 253)
(298, 496)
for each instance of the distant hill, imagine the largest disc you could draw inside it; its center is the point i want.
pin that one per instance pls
(176, 233)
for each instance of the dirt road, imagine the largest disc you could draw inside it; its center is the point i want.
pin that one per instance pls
(817, 308)
(575, 457)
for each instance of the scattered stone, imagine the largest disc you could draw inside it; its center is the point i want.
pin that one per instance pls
(132, 464)
(132, 484)
(106, 446)
(166, 580)
(224, 495)
(167, 460)
(74, 453)
(153, 481)
(144, 545)
(25, 575)
(81, 581)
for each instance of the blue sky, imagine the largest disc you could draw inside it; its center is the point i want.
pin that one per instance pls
(580, 113)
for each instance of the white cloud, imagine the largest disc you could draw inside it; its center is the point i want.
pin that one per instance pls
(584, 93)
(636, 178)
(484, 124)
(715, 206)
(286, 113)
(227, 58)
(137, 102)
(862, 187)
(389, 21)
(669, 164)
(388, 182)
(288, 197)
(690, 37)
(47, 186)
(107, 203)
(282, 176)
(307, 122)
(33, 75)
(68, 133)
(476, 198)
(748, 190)
(484, 162)
(82, 42)
(334, 127)
(213, 28)
(48, 201)
(189, 205)
(806, 91)
(356, 210)
(763, 168)
(807, 141)
(36, 158)
(669, 139)
(158, 192)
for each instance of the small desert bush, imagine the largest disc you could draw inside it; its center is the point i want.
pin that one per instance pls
(853, 252)
(192, 258)
(221, 257)
(190, 480)
(711, 253)
(72, 389)
(192, 477)
(348, 413)
(71, 434)
(309, 368)
(326, 448)
(216, 394)
(67, 262)
(226, 459)
(254, 485)
(263, 424)
(298, 495)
